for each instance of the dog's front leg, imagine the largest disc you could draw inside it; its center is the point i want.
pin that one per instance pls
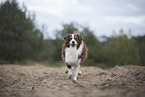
(69, 71)
(76, 72)
(66, 70)
(79, 71)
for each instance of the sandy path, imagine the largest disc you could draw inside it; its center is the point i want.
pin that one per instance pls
(42, 81)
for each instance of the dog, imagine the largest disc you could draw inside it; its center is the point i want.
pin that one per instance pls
(74, 52)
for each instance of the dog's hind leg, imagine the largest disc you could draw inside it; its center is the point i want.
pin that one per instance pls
(79, 71)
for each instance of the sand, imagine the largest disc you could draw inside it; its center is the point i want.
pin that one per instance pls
(42, 81)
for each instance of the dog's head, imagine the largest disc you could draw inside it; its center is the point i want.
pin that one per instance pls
(73, 40)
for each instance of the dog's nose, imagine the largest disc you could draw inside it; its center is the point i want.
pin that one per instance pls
(73, 42)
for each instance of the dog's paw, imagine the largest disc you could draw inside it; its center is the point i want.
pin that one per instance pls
(75, 78)
(79, 73)
(66, 71)
(69, 76)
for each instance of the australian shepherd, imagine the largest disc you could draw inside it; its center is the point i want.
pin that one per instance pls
(74, 53)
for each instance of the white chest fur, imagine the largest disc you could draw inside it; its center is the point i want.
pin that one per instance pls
(72, 53)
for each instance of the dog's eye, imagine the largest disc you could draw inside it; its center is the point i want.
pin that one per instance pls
(75, 38)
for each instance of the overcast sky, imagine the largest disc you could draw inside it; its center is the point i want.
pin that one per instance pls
(102, 16)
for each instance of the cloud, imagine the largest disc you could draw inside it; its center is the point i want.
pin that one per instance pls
(128, 19)
(133, 7)
(48, 10)
(102, 16)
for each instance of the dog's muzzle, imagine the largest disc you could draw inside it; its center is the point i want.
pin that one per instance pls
(73, 43)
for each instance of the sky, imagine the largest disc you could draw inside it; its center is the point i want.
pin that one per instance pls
(102, 16)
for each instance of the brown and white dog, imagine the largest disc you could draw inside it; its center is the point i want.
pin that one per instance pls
(74, 53)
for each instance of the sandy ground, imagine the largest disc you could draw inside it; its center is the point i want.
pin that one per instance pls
(42, 81)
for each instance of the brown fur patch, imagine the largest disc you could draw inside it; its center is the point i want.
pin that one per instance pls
(79, 39)
(84, 54)
(67, 40)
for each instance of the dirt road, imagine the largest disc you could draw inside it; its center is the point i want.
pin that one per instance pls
(42, 81)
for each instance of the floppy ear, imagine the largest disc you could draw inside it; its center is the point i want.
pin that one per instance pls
(80, 37)
(65, 38)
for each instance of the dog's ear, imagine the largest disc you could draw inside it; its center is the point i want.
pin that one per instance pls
(65, 38)
(80, 37)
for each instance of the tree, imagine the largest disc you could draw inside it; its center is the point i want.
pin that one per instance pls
(141, 44)
(19, 37)
(122, 51)
(67, 29)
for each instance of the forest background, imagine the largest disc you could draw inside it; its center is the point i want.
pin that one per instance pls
(21, 41)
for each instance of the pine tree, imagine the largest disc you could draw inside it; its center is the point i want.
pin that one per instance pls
(19, 37)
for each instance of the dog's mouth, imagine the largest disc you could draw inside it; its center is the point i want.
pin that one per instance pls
(73, 44)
